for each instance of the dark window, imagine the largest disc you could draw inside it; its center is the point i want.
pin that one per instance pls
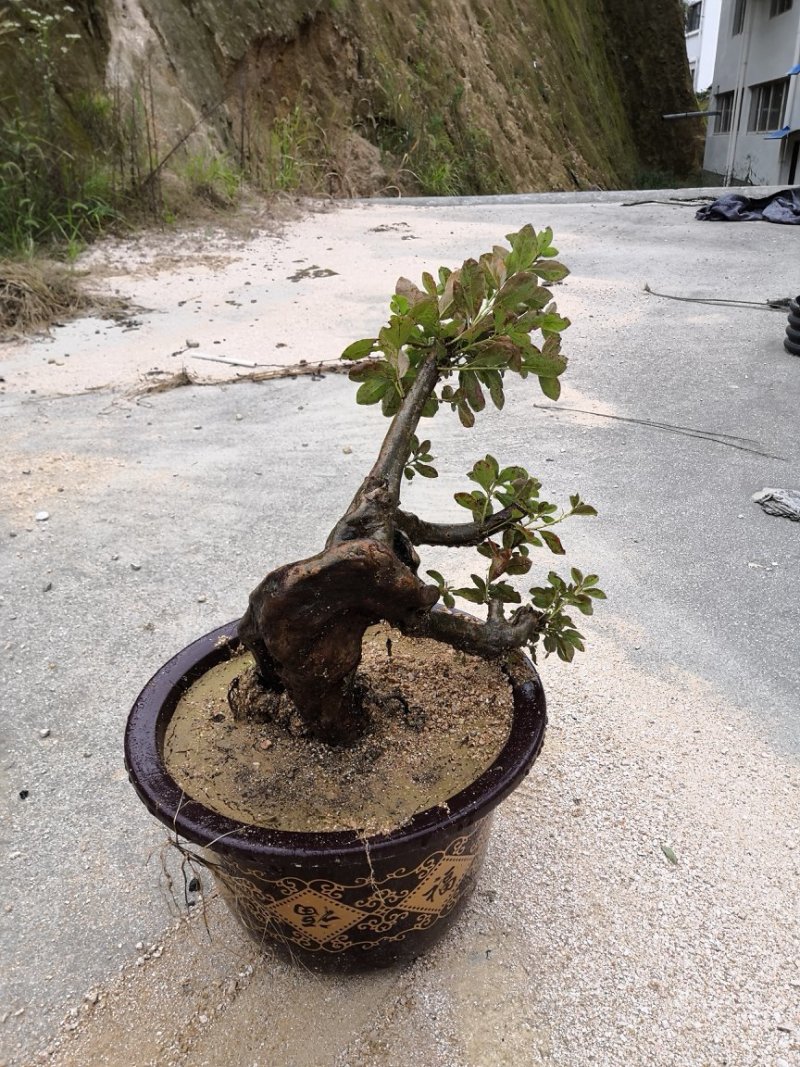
(739, 11)
(693, 12)
(777, 7)
(723, 104)
(767, 104)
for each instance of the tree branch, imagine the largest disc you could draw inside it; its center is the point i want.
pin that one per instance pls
(490, 639)
(372, 511)
(396, 445)
(453, 535)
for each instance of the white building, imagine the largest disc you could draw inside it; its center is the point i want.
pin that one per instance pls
(701, 27)
(756, 137)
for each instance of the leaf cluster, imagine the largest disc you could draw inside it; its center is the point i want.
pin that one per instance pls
(492, 316)
(527, 525)
(420, 460)
(479, 321)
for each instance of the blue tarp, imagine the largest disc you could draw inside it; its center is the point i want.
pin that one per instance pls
(780, 207)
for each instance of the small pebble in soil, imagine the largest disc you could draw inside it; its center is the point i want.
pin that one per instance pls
(44, 732)
(347, 450)
(136, 566)
(201, 600)
(47, 587)
(42, 516)
(24, 794)
(198, 427)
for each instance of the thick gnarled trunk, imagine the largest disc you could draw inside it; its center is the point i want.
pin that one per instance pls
(306, 621)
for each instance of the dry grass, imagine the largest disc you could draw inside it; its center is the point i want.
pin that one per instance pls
(35, 295)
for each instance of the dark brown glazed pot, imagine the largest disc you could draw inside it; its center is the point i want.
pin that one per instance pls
(333, 901)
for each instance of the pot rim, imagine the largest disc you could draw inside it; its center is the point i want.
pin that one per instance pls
(191, 819)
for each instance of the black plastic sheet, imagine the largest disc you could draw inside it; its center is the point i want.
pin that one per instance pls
(783, 207)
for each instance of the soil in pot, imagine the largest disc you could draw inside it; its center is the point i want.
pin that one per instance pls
(437, 719)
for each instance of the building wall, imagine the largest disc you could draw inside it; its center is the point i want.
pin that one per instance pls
(765, 50)
(701, 44)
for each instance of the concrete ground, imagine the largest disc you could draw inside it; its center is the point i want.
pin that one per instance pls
(676, 736)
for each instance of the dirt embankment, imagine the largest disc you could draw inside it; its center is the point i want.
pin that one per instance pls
(348, 97)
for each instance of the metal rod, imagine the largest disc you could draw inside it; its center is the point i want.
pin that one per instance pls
(691, 115)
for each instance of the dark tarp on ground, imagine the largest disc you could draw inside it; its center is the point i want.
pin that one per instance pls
(782, 502)
(780, 207)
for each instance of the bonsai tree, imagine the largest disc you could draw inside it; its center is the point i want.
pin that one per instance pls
(449, 343)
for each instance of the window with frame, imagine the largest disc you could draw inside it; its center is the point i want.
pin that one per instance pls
(723, 121)
(777, 7)
(767, 105)
(693, 13)
(739, 12)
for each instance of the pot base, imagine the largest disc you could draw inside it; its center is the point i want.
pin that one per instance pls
(336, 901)
(377, 918)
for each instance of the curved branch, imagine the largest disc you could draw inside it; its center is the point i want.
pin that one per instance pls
(490, 639)
(453, 535)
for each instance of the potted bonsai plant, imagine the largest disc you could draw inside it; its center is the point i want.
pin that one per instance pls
(344, 816)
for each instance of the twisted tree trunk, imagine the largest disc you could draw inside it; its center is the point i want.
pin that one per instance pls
(305, 621)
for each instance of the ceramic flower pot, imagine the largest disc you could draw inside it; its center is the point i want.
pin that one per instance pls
(334, 900)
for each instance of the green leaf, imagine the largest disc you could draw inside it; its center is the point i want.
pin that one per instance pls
(372, 391)
(598, 594)
(472, 390)
(524, 248)
(552, 542)
(552, 322)
(426, 471)
(668, 852)
(438, 578)
(484, 472)
(431, 407)
(426, 313)
(390, 402)
(473, 501)
(494, 382)
(466, 416)
(551, 387)
(429, 284)
(472, 595)
(505, 593)
(544, 244)
(494, 352)
(552, 271)
(473, 286)
(518, 565)
(359, 349)
(585, 509)
(522, 290)
(584, 605)
(375, 368)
